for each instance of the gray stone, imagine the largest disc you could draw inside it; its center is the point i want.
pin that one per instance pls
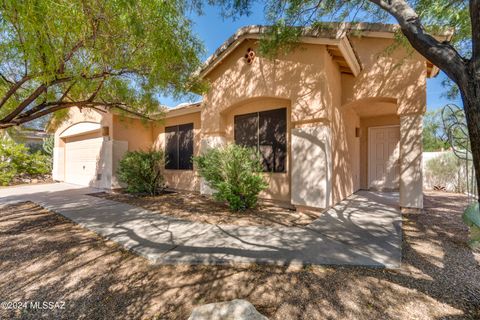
(229, 310)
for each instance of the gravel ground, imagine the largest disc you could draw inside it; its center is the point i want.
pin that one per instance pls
(44, 257)
(200, 208)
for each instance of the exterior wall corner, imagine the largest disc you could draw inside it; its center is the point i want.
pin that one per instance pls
(411, 177)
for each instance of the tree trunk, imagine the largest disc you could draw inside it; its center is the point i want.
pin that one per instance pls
(471, 104)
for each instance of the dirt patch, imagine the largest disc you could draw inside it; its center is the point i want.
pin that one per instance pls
(200, 208)
(44, 257)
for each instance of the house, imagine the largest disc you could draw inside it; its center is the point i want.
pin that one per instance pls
(31, 137)
(341, 112)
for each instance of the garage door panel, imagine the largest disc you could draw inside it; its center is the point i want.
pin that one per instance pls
(81, 159)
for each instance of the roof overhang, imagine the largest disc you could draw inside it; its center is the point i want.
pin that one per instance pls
(338, 43)
(388, 31)
(333, 35)
(182, 110)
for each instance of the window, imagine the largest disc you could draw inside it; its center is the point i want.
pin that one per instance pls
(179, 147)
(267, 132)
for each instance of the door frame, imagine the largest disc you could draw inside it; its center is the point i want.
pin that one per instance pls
(369, 148)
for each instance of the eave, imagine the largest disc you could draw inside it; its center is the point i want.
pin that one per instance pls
(338, 45)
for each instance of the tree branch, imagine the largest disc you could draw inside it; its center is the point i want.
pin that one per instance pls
(475, 20)
(441, 54)
(45, 108)
(34, 95)
(13, 89)
(99, 87)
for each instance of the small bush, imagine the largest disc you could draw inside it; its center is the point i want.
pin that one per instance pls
(447, 170)
(142, 171)
(471, 217)
(48, 145)
(16, 159)
(235, 174)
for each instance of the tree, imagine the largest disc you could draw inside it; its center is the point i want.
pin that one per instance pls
(99, 54)
(418, 20)
(434, 137)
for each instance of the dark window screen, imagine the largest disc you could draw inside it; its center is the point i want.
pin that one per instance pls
(272, 139)
(179, 147)
(171, 150)
(246, 130)
(267, 132)
(185, 146)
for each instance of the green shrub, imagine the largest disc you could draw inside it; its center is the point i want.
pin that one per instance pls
(235, 174)
(471, 217)
(16, 159)
(447, 169)
(48, 145)
(142, 171)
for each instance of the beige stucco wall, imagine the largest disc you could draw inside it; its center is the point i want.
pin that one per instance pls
(311, 170)
(180, 179)
(137, 132)
(299, 77)
(411, 149)
(345, 146)
(397, 74)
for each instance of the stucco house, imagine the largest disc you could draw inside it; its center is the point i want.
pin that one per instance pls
(341, 112)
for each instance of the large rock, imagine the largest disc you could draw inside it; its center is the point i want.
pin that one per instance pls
(229, 310)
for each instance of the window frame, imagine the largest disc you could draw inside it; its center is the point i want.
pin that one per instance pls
(177, 134)
(257, 114)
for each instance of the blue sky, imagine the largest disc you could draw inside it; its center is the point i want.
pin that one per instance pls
(213, 30)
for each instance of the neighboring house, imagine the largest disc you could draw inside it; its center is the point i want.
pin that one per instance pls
(32, 138)
(341, 112)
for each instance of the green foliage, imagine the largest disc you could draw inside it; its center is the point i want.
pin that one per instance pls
(283, 15)
(447, 169)
(16, 159)
(234, 173)
(471, 217)
(111, 53)
(48, 144)
(142, 171)
(434, 137)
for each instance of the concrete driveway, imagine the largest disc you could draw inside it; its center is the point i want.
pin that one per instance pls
(363, 230)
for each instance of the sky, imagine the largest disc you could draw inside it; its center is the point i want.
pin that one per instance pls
(213, 30)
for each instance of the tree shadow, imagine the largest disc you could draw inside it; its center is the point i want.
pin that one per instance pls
(44, 257)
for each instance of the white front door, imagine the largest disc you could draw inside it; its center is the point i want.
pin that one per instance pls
(383, 157)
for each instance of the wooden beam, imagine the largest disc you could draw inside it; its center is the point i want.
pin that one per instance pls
(345, 70)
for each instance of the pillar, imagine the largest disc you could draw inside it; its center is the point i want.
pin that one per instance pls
(411, 182)
(311, 166)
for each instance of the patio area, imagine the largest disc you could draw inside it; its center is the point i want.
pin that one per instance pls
(363, 230)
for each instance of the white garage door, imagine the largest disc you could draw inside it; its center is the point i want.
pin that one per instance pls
(81, 158)
(383, 163)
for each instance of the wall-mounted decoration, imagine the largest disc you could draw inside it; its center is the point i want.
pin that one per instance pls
(250, 56)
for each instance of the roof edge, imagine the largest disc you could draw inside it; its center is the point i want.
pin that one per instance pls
(332, 30)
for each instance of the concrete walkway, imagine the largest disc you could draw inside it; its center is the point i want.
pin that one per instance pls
(364, 229)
